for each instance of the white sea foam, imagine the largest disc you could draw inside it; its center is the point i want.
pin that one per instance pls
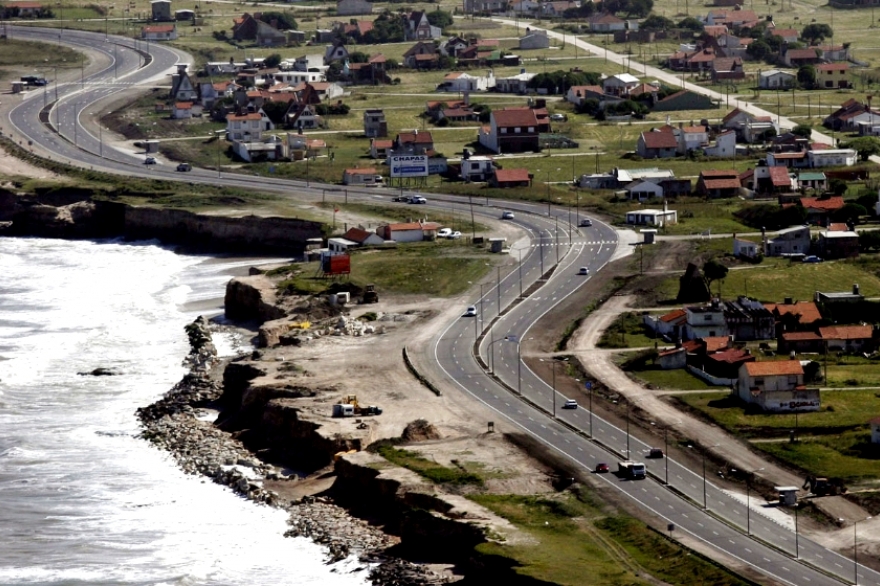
(82, 499)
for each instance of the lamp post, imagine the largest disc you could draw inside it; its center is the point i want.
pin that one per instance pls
(856, 551)
(749, 503)
(520, 272)
(589, 385)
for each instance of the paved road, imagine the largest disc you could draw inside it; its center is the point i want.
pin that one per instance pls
(534, 410)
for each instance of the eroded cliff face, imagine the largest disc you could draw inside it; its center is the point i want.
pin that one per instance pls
(73, 213)
(252, 299)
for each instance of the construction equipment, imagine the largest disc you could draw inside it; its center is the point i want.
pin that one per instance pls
(370, 295)
(821, 486)
(357, 409)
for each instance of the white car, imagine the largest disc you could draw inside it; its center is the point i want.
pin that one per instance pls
(417, 199)
(507, 215)
(570, 404)
(444, 233)
(558, 117)
(455, 235)
(471, 311)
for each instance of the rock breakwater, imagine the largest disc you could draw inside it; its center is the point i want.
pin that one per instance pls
(180, 423)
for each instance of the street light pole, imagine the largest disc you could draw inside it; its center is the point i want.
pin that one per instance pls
(666, 452)
(520, 273)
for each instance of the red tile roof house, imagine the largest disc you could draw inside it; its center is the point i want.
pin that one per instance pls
(799, 342)
(798, 57)
(511, 178)
(819, 210)
(859, 338)
(363, 237)
(511, 131)
(361, 176)
(718, 183)
(776, 387)
(668, 326)
(657, 144)
(409, 231)
(725, 364)
(795, 316)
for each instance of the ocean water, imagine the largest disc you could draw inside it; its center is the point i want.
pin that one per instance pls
(83, 501)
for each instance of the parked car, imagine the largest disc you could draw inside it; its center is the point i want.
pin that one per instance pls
(455, 235)
(184, 167)
(585, 223)
(444, 232)
(507, 215)
(471, 311)
(150, 161)
(570, 404)
(584, 271)
(558, 117)
(403, 198)
(601, 468)
(812, 258)
(417, 199)
(655, 453)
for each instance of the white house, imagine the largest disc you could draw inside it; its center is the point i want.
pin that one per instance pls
(409, 231)
(297, 77)
(725, 145)
(515, 84)
(705, 321)
(365, 176)
(269, 148)
(642, 190)
(477, 168)
(745, 248)
(776, 386)
(619, 84)
(774, 78)
(182, 88)
(652, 217)
(754, 130)
(832, 158)
(691, 138)
(247, 126)
(465, 82)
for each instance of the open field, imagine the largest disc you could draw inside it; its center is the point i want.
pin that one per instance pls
(833, 442)
(576, 538)
(18, 57)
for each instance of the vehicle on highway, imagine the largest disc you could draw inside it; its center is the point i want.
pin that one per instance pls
(417, 199)
(812, 258)
(471, 311)
(655, 453)
(455, 235)
(507, 215)
(558, 117)
(632, 470)
(150, 161)
(184, 167)
(601, 468)
(570, 404)
(403, 198)
(583, 271)
(585, 223)
(444, 233)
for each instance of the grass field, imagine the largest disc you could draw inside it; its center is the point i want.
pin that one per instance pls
(576, 540)
(442, 268)
(675, 380)
(834, 441)
(627, 331)
(18, 57)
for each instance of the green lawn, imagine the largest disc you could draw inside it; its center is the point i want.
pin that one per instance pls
(577, 543)
(627, 331)
(850, 456)
(678, 379)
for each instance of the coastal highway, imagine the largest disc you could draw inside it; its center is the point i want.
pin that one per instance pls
(551, 237)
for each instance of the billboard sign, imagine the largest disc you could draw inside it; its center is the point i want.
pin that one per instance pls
(336, 264)
(408, 165)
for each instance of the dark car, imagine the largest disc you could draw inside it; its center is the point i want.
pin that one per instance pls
(812, 259)
(655, 453)
(601, 468)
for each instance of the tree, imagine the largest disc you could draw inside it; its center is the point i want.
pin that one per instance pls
(806, 76)
(440, 18)
(867, 201)
(866, 146)
(758, 50)
(869, 240)
(837, 186)
(279, 20)
(715, 271)
(814, 33)
(358, 57)
(804, 130)
(849, 213)
(272, 60)
(655, 22)
(692, 24)
(629, 8)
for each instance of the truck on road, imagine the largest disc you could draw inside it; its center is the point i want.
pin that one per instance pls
(631, 470)
(34, 80)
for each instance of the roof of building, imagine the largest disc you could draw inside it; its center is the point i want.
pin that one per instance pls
(158, 28)
(838, 227)
(788, 156)
(722, 183)
(673, 315)
(785, 32)
(361, 171)
(247, 116)
(381, 143)
(801, 336)
(807, 310)
(511, 175)
(514, 117)
(827, 204)
(358, 235)
(846, 332)
(659, 140)
(693, 129)
(779, 176)
(715, 343)
(715, 30)
(415, 137)
(718, 174)
(801, 54)
(774, 368)
(731, 356)
(671, 351)
(832, 67)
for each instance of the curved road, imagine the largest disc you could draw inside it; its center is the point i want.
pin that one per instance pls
(504, 318)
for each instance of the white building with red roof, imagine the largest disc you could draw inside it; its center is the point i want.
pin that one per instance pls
(657, 144)
(511, 131)
(159, 32)
(776, 386)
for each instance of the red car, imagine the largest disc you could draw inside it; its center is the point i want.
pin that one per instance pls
(601, 468)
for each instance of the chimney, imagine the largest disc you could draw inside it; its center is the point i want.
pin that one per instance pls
(788, 301)
(856, 289)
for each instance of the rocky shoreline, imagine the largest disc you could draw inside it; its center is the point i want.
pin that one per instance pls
(180, 423)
